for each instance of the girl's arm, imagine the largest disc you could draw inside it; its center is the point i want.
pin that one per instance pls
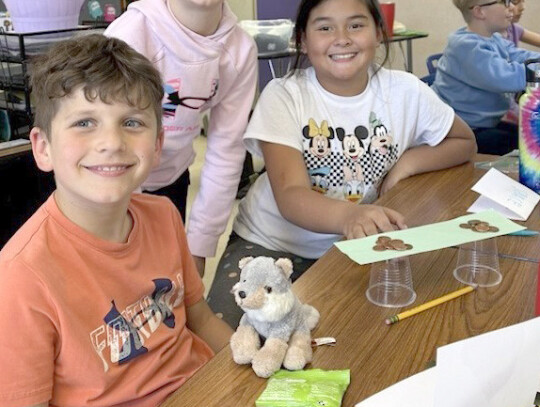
(206, 325)
(531, 38)
(300, 205)
(457, 147)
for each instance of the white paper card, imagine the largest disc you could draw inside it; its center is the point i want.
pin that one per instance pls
(483, 203)
(414, 391)
(496, 369)
(505, 195)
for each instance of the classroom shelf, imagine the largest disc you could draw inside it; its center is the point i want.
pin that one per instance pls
(16, 52)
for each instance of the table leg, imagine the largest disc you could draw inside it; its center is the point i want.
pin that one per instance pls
(409, 62)
(272, 71)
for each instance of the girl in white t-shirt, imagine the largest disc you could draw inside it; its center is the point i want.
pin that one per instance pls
(333, 137)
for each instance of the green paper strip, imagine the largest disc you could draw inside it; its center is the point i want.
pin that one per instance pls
(428, 237)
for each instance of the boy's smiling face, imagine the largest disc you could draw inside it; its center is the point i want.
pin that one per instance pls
(100, 153)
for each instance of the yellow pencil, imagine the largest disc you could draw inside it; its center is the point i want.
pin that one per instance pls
(430, 304)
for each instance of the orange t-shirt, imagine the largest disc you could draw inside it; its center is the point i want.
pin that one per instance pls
(88, 322)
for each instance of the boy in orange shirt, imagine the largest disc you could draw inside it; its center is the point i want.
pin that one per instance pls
(100, 300)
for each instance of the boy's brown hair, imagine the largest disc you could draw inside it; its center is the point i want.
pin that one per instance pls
(105, 68)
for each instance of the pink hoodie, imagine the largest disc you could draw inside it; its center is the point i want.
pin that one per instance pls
(216, 73)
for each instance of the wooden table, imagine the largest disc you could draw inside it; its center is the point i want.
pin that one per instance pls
(444, 195)
(378, 355)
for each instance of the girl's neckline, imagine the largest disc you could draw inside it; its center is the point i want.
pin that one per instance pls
(339, 98)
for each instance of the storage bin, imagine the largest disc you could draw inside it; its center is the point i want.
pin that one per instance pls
(43, 15)
(271, 36)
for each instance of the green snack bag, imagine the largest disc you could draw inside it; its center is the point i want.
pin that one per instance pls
(305, 388)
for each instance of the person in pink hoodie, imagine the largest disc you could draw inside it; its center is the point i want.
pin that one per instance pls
(208, 63)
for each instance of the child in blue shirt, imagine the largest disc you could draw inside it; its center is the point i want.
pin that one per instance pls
(480, 71)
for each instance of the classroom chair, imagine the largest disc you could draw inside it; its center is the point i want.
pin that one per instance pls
(431, 63)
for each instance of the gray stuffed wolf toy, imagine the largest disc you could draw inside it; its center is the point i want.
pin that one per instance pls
(273, 311)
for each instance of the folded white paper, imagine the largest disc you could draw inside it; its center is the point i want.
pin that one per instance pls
(505, 195)
(496, 369)
(414, 391)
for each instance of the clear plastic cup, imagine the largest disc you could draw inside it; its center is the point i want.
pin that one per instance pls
(390, 283)
(478, 263)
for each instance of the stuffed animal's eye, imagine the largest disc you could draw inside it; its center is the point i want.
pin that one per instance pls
(268, 289)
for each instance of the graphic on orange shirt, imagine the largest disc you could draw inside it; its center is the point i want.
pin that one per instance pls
(124, 333)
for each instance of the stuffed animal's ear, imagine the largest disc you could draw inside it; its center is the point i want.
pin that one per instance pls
(285, 265)
(243, 261)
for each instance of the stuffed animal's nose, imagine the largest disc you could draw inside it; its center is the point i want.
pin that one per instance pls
(242, 294)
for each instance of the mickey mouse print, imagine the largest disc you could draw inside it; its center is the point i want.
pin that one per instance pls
(348, 163)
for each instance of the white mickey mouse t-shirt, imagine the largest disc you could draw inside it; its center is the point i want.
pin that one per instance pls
(348, 143)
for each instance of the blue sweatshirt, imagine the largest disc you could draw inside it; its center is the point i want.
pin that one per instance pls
(477, 75)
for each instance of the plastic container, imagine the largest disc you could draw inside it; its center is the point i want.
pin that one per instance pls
(271, 36)
(43, 15)
(478, 263)
(529, 128)
(390, 283)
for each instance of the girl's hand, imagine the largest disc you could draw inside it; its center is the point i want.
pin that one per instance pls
(365, 220)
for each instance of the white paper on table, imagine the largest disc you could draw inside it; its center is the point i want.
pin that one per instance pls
(505, 195)
(414, 391)
(483, 203)
(496, 369)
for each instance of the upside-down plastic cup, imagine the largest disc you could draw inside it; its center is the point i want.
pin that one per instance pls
(388, 10)
(390, 283)
(478, 263)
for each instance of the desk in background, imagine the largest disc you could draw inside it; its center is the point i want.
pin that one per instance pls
(408, 39)
(379, 355)
(10, 149)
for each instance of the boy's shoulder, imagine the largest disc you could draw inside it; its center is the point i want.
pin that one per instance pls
(150, 200)
(154, 206)
(463, 40)
(49, 223)
(463, 36)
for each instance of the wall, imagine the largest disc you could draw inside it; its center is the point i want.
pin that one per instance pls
(276, 9)
(244, 9)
